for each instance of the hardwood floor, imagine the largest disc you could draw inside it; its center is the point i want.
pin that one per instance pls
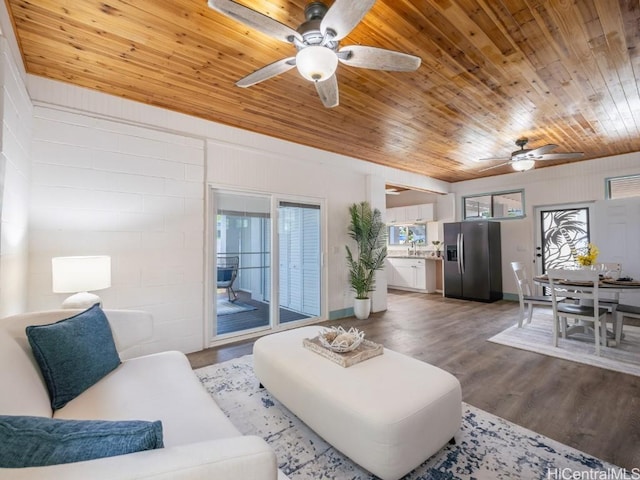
(591, 409)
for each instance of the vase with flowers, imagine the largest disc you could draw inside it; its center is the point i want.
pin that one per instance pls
(588, 258)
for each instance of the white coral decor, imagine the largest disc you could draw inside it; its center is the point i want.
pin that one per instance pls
(337, 339)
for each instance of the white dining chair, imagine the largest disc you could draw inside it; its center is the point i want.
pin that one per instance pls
(623, 311)
(525, 293)
(612, 270)
(583, 286)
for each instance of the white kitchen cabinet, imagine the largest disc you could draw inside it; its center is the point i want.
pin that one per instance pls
(433, 231)
(420, 213)
(395, 215)
(421, 275)
(404, 272)
(410, 214)
(411, 273)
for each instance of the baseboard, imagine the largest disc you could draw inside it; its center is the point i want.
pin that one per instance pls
(343, 313)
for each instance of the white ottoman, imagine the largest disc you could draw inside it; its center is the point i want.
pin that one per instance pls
(388, 414)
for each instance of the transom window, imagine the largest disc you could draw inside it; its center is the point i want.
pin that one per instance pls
(494, 205)
(623, 187)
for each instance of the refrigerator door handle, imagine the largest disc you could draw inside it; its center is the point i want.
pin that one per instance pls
(458, 254)
(461, 255)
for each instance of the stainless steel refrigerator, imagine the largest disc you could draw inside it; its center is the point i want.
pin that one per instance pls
(472, 261)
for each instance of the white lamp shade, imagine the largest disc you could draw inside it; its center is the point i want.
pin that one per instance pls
(522, 165)
(316, 63)
(80, 274)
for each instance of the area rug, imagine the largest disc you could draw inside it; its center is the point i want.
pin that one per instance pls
(487, 447)
(538, 337)
(225, 307)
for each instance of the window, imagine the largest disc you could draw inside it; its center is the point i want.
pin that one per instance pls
(407, 234)
(494, 205)
(623, 187)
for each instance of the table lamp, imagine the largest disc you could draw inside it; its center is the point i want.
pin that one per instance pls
(79, 275)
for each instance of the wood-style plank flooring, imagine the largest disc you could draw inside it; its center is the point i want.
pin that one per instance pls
(591, 409)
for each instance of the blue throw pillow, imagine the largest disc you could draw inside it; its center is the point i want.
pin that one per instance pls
(41, 441)
(74, 353)
(225, 274)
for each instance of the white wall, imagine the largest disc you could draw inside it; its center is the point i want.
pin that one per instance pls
(99, 160)
(576, 182)
(137, 194)
(16, 115)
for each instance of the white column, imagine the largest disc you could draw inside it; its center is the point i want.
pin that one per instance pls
(377, 199)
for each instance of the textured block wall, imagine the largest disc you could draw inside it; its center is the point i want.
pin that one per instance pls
(134, 193)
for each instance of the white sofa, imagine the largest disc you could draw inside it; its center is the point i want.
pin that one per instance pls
(200, 442)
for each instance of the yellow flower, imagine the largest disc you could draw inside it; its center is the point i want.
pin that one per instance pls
(589, 257)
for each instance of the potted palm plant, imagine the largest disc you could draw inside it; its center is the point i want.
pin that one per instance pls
(369, 232)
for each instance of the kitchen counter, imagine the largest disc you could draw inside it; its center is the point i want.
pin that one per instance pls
(426, 257)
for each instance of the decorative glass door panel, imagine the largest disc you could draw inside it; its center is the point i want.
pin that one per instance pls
(563, 233)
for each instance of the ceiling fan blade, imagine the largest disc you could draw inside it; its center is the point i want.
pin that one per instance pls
(495, 166)
(561, 156)
(378, 59)
(267, 72)
(495, 159)
(538, 151)
(328, 91)
(255, 20)
(344, 15)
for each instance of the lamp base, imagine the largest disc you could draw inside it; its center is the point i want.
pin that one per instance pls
(82, 300)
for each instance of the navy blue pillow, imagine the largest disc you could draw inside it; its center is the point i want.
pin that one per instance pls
(74, 353)
(41, 441)
(225, 274)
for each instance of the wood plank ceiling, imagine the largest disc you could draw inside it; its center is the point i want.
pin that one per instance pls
(555, 71)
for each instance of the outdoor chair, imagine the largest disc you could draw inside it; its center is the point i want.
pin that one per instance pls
(227, 273)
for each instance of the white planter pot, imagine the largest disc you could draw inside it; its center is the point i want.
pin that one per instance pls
(362, 308)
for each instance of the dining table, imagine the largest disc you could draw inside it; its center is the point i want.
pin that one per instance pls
(609, 290)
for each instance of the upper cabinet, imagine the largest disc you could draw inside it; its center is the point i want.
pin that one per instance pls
(410, 214)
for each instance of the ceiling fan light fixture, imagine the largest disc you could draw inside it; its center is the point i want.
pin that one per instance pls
(523, 165)
(316, 63)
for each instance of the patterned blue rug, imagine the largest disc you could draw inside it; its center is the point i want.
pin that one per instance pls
(487, 447)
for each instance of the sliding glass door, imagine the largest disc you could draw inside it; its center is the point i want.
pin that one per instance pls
(299, 260)
(245, 283)
(242, 262)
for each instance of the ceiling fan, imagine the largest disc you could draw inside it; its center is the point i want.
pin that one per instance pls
(317, 41)
(525, 158)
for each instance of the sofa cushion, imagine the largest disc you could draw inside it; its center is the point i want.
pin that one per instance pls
(74, 353)
(39, 441)
(161, 385)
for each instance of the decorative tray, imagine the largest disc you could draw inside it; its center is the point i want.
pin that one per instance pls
(364, 351)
